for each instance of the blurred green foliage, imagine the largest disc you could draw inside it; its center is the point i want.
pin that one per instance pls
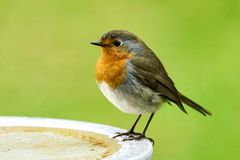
(47, 66)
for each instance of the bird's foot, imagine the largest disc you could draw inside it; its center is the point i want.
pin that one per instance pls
(128, 133)
(138, 137)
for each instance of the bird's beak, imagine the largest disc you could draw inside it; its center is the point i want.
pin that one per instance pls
(99, 43)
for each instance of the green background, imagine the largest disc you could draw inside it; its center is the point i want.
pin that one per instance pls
(47, 66)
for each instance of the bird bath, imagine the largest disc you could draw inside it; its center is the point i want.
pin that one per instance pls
(23, 138)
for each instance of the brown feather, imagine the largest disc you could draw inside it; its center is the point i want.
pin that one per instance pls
(150, 72)
(194, 105)
(151, 76)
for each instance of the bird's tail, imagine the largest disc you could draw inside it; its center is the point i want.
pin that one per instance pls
(194, 105)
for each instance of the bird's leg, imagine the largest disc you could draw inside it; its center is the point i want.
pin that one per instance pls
(142, 135)
(146, 127)
(131, 131)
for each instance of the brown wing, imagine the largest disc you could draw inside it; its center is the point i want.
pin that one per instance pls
(150, 72)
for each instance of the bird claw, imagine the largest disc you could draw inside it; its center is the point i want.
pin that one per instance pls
(133, 136)
(138, 138)
(129, 133)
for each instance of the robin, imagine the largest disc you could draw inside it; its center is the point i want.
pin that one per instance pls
(133, 79)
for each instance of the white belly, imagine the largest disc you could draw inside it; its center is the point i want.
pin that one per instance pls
(126, 103)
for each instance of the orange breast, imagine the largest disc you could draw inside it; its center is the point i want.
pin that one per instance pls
(111, 68)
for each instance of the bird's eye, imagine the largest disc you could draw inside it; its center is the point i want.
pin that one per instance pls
(117, 43)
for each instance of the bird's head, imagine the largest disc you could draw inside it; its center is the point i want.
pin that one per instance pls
(120, 43)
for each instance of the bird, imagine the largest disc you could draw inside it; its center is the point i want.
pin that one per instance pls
(132, 78)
